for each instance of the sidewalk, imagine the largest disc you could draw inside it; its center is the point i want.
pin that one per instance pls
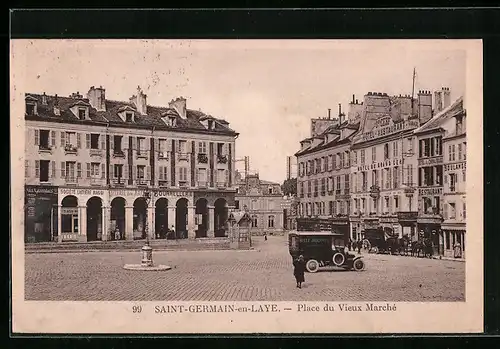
(449, 258)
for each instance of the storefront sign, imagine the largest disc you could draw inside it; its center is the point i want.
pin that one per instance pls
(70, 191)
(69, 210)
(430, 191)
(431, 161)
(388, 130)
(407, 216)
(384, 164)
(457, 166)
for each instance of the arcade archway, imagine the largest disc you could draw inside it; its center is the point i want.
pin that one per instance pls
(220, 217)
(181, 214)
(94, 219)
(139, 224)
(118, 218)
(69, 215)
(201, 212)
(161, 218)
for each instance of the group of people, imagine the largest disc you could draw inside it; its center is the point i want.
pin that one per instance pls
(355, 245)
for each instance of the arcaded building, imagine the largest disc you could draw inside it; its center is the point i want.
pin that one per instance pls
(89, 161)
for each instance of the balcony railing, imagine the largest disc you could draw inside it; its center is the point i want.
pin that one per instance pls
(338, 191)
(163, 155)
(183, 184)
(97, 181)
(221, 159)
(96, 152)
(45, 149)
(70, 149)
(141, 154)
(163, 183)
(142, 182)
(118, 182)
(118, 154)
(183, 156)
(71, 180)
(202, 158)
(202, 184)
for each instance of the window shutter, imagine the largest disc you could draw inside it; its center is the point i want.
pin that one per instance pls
(111, 143)
(37, 168)
(53, 138)
(87, 140)
(157, 145)
(79, 170)
(63, 169)
(103, 171)
(88, 169)
(134, 143)
(125, 172)
(148, 173)
(63, 138)
(78, 140)
(53, 163)
(160, 176)
(37, 137)
(26, 168)
(103, 141)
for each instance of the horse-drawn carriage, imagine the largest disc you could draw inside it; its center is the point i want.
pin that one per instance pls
(322, 249)
(378, 241)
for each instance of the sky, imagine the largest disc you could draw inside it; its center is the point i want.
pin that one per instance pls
(268, 90)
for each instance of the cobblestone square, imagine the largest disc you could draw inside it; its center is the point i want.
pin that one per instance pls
(265, 274)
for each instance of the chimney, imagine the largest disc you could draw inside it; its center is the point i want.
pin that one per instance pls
(140, 101)
(179, 104)
(340, 110)
(446, 97)
(57, 111)
(353, 98)
(44, 99)
(329, 113)
(424, 106)
(356, 101)
(97, 98)
(438, 101)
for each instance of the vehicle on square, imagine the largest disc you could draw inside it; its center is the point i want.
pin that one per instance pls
(322, 249)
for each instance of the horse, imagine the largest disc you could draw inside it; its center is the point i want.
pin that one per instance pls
(403, 246)
(416, 248)
(428, 248)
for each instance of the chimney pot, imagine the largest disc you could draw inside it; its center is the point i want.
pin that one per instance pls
(353, 98)
(356, 101)
(329, 113)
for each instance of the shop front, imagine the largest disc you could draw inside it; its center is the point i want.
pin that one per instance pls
(454, 239)
(40, 221)
(429, 227)
(408, 222)
(340, 225)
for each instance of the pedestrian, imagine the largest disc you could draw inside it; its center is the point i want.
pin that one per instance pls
(265, 236)
(117, 234)
(299, 268)
(349, 244)
(360, 244)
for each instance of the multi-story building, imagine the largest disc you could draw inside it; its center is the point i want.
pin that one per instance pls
(88, 162)
(263, 201)
(323, 183)
(441, 172)
(290, 204)
(384, 164)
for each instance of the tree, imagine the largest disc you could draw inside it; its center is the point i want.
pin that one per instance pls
(289, 186)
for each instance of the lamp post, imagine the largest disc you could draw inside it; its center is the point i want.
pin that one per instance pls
(147, 251)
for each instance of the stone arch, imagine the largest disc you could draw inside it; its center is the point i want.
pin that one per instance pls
(139, 218)
(220, 217)
(161, 218)
(69, 201)
(94, 219)
(181, 216)
(117, 218)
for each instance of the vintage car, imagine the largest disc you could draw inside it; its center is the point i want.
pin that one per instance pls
(322, 249)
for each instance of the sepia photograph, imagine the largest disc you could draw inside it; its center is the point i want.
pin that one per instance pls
(295, 176)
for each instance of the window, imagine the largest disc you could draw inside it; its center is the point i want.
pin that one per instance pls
(386, 151)
(117, 145)
(163, 173)
(141, 169)
(330, 162)
(409, 143)
(464, 211)
(118, 171)
(44, 139)
(386, 204)
(346, 184)
(94, 141)
(362, 157)
(396, 177)
(315, 187)
(459, 152)
(30, 108)
(347, 159)
(322, 164)
(202, 148)
(453, 181)
(374, 154)
(254, 221)
(334, 161)
(374, 177)
(202, 175)
(183, 174)
(341, 207)
(129, 117)
(140, 145)
(451, 156)
(409, 175)
(182, 147)
(396, 202)
(463, 173)
(270, 222)
(427, 147)
(395, 149)
(439, 175)
(338, 183)
(220, 149)
(340, 163)
(93, 169)
(82, 113)
(270, 190)
(43, 170)
(162, 147)
(364, 181)
(69, 170)
(453, 211)
(465, 151)
(439, 146)
(323, 186)
(26, 168)
(210, 124)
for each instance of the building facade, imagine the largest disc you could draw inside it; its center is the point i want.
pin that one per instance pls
(89, 161)
(263, 201)
(324, 181)
(441, 196)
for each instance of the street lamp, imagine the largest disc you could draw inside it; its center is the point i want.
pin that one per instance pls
(147, 251)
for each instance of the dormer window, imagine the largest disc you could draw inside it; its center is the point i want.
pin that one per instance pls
(30, 109)
(211, 124)
(129, 117)
(82, 113)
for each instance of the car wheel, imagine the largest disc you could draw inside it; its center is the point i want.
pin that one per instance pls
(359, 265)
(375, 250)
(312, 266)
(338, 259)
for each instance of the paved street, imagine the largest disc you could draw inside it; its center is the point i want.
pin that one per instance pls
(265, 274)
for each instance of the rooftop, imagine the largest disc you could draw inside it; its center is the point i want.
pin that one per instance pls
(456, 108)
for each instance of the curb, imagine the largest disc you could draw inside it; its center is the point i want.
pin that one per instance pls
(132, 250)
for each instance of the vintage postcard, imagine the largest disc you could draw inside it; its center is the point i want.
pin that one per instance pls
(246, 186)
